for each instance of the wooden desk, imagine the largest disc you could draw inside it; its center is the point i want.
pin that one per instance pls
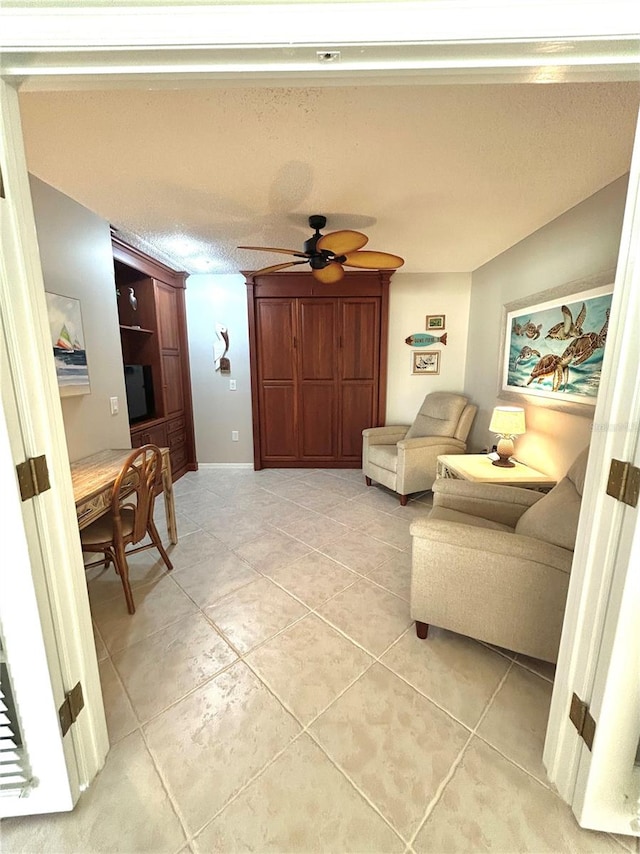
(93, 478)
(479, 469)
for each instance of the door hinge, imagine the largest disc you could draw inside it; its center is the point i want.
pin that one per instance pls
(624, 482)
(580, 717)
(33, 477)
(71, 708)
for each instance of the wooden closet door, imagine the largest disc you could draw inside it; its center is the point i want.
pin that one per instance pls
(359, 371)
(318, 379)
(277, 377)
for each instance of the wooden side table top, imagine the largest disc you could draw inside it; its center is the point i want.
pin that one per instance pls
(480, 469)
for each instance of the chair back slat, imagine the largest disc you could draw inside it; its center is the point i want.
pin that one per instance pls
(135, 488)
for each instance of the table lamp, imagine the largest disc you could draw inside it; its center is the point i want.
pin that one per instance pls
(506, 422)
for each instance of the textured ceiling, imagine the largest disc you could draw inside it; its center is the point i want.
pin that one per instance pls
(445, 176)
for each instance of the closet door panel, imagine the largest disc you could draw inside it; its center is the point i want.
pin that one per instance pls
(317, 339)
(277, 427)
(357, 413)
(318, 421)
(276, 339)
(360, 338)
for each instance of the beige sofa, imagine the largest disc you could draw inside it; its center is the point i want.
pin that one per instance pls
(403, 457)
(493, 562)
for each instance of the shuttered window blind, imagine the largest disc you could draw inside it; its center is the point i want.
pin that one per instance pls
(15, 775)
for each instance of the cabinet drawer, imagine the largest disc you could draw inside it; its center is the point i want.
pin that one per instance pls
(176, 424)
(156, 435)
(178, 458)
(176, 440)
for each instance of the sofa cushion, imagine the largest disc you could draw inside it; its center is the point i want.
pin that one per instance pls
(554, 518)
(384, 456)
(438, 415)
(444, 514)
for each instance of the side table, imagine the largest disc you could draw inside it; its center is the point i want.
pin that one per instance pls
(480, 469)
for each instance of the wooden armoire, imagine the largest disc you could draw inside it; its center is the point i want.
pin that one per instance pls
(318, 366)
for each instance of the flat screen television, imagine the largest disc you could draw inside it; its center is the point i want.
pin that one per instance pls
(139, 386)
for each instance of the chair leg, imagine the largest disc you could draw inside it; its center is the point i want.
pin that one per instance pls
(367, 480)
(122, 569)
(422, 629)
(155, 537)
(403, 500)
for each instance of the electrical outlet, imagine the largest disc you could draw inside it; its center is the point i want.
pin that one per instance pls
(115, 407)
(232, 385)
(234, 436)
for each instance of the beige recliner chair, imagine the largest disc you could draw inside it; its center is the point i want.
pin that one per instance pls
(493, 562)
(404, 457)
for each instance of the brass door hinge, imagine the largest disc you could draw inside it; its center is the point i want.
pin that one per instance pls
(624, 482)
(580, 717)
(71, 708)
(33, 477)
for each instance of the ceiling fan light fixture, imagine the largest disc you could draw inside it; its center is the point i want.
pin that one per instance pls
(326, 253)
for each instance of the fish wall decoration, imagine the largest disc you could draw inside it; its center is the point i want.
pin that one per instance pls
(421, 339)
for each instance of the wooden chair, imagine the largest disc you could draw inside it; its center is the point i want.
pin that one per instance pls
(130, 518)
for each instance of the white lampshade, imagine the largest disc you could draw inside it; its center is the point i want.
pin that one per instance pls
(507, 421)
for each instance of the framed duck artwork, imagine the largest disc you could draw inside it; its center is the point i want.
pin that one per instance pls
(554, 348)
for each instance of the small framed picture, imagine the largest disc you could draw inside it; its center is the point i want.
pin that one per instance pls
(435, 321)
(425, 362)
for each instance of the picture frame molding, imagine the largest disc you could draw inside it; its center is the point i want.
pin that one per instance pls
(597, 280)
(414, 359)
(441, 327)
(69, 389)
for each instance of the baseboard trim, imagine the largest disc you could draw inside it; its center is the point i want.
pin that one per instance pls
(225, 465)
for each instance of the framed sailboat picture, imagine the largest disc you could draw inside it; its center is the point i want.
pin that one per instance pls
(67, 339)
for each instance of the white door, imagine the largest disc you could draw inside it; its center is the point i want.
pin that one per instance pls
(46, 635)
(600, 650)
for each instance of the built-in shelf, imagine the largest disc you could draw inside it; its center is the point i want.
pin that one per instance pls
(137, 329)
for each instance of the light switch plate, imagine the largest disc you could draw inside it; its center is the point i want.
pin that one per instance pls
(115, 408)
(232, 385)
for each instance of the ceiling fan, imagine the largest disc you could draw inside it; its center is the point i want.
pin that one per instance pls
(328, 254)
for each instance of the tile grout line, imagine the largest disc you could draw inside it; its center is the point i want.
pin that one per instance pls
(456, 762)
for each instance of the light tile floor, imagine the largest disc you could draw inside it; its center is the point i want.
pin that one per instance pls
(270, 694)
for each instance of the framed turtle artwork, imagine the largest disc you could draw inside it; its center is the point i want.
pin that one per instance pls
(553, 348)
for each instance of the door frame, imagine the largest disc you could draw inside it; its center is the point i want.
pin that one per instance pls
(45, 48)
(50, 522)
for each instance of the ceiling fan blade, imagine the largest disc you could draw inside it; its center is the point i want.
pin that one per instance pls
(272, 249)
(342, 242)
(333, 272)
(277, 267)
(373, 260)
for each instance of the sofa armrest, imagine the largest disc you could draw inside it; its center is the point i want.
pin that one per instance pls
(385, 435)
(485, 544)
(498, 503)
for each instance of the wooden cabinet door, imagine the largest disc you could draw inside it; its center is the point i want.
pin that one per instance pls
(172, 383)
(359, 371)
(318, 379)
(167, 316)
(276, 324)
(318, 366)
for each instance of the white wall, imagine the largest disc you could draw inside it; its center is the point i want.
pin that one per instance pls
(580, 243)
(412, 297)
(217, 410)
(77, 261)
